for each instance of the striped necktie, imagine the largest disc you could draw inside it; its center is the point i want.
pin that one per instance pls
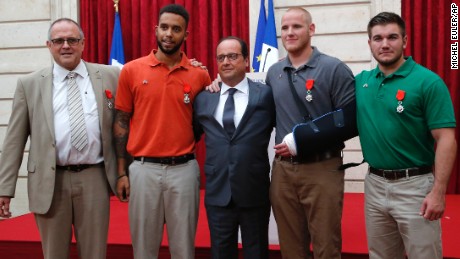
(78, 137)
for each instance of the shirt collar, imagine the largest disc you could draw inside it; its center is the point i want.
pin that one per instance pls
(312, 61)
(403, 71)
(61, 73)
(242, 86)
(153, 61)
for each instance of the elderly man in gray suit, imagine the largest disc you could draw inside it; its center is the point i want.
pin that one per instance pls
(237, 122)
(67, 111)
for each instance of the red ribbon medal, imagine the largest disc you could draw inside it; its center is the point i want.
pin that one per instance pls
(108, 93)
(187, 89)
(109, 96)
(400, 97)
(309, 85)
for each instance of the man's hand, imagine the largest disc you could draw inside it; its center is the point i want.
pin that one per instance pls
(5, 207)
(433, 206)
(197, 63)
(123, 188)
(446, 147)
(282, 149)
(214, 86)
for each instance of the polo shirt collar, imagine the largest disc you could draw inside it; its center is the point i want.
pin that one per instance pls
(312, 61)
(153, 61)
(403, 71)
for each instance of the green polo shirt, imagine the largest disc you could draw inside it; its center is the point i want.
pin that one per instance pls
(396, 140)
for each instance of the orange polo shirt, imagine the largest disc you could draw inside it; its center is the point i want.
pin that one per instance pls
(161, 122)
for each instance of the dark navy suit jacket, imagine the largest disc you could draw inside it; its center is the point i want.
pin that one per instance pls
(237, 168)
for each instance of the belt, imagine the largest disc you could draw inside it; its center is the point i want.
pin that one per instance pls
(171, 160)
(77, 168)
(400, 173)
(311, 158)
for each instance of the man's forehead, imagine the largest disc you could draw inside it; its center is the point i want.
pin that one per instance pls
(297, 19)
(171, 19)
(229, 45)
(386, 29)
(64, 27)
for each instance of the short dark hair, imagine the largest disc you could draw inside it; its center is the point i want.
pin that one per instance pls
(385, 18)
(176, 9)
(244, 46)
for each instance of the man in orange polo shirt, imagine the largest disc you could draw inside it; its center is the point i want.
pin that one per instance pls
(154, 125)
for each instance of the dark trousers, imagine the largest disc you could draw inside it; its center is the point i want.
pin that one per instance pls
(223, 226)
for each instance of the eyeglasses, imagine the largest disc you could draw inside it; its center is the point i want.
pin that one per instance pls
(70, 41)
(231, 57)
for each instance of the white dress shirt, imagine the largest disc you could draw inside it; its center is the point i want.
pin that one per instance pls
(241, 101)
(66, 154)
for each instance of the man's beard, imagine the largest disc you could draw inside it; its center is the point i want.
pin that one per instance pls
(170, 51)
(388, 63)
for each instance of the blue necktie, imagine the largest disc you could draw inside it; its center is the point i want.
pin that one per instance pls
(229, 113)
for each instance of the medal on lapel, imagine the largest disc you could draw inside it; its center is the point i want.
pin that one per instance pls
(187, 90)
(309, 85)
(109, 96)
(400, 97)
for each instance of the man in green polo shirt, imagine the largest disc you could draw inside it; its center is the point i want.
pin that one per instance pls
(403, 110)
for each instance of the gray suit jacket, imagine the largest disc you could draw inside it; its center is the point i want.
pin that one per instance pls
(237, 168)
(32, 116)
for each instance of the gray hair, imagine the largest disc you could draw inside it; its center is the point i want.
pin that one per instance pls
(82, 35)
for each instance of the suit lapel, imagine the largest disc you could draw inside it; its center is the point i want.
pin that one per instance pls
(214, 101)
(96, 81)
(211, 110)
(253, 99)
(46, 91)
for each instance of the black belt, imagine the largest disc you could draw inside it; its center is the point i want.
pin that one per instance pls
(77, 168)
(400, 173)
(171, 160)
(312, 158)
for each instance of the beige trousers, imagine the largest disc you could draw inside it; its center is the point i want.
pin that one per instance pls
(393, 223)
(163, 194)
(81, 200)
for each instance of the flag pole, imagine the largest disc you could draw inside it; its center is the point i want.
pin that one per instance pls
(115, 5)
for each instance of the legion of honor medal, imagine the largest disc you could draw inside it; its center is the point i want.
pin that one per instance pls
(186, 98)
(187, 89)
(400, 97)
(309, 86)
(109, 96)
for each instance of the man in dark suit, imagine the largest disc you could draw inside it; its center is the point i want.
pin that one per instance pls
(71, 158)
(237, 122)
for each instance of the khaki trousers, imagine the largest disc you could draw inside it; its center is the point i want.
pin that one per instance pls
(81, 200)
(307, 201)
(164, 194)
(393, 223)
